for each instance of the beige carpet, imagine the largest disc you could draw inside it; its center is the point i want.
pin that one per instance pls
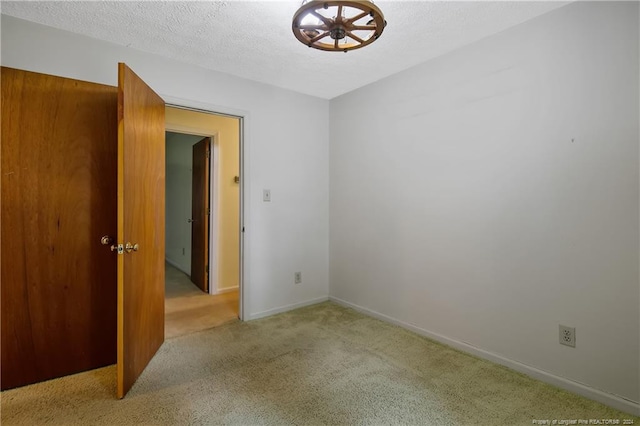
(188, 309)
(322, 364)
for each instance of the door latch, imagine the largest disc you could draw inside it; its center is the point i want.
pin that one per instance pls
(119, 248)
(107, 240)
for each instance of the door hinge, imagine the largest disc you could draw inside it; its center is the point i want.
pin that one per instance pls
(208, 153)
(208, 212)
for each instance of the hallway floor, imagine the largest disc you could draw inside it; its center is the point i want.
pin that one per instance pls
(188, 309)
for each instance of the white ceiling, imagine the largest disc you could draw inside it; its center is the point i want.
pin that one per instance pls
(253, 39)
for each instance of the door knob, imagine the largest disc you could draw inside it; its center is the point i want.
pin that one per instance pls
(106, 240)
(131, 247)
(190, 220)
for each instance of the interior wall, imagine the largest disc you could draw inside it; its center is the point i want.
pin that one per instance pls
(228, 202)
(179, 166)
(226, 131)
(285, 150)
(491, 194)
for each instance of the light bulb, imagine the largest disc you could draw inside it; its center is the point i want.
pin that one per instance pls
(310, 19)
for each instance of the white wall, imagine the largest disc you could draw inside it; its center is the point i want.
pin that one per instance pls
(179, 149)
(280, 153)
(489, 195)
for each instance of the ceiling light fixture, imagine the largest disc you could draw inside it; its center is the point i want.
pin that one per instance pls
(338, 26)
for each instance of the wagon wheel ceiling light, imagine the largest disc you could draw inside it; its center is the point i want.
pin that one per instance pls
(338, 25)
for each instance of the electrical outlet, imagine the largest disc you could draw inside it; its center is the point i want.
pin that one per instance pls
(568, 336)
(297, 277)
(266, 195)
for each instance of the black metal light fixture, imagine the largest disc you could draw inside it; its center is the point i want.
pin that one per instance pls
(338, 26)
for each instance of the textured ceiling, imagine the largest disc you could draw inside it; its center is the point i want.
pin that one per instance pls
(253, 39)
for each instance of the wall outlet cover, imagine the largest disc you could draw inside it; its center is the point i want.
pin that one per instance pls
(567, 336)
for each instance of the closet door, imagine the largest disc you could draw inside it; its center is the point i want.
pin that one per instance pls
(141, 228)
(58, 199)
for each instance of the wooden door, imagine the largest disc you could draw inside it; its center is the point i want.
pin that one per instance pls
(200, 214)
(58, 198)
(141, 210)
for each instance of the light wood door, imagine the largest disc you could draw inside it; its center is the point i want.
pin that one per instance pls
(200, 214)
(58, 198)
(141, 215)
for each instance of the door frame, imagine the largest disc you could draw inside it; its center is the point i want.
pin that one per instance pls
(243, 119)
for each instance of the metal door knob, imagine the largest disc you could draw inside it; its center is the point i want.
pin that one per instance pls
(106, 240)
(131, 247)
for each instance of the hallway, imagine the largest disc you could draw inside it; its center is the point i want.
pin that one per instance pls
(187, 309)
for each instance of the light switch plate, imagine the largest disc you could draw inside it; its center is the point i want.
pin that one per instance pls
(266, 195)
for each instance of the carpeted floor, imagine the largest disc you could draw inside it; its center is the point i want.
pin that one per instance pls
(323, 364)
(188, 309)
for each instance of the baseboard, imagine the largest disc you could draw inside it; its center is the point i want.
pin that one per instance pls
(226, 290)
(286, 308)
(175, 265)
(611, 400)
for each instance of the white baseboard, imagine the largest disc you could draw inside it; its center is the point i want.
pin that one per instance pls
(176, 265)
(225, 290)
(286, 308)
(611, 400)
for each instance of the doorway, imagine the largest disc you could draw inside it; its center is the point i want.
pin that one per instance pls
(201, 292)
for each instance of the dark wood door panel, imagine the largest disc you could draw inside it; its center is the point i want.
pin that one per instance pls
(199, 213)
(59, 194)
